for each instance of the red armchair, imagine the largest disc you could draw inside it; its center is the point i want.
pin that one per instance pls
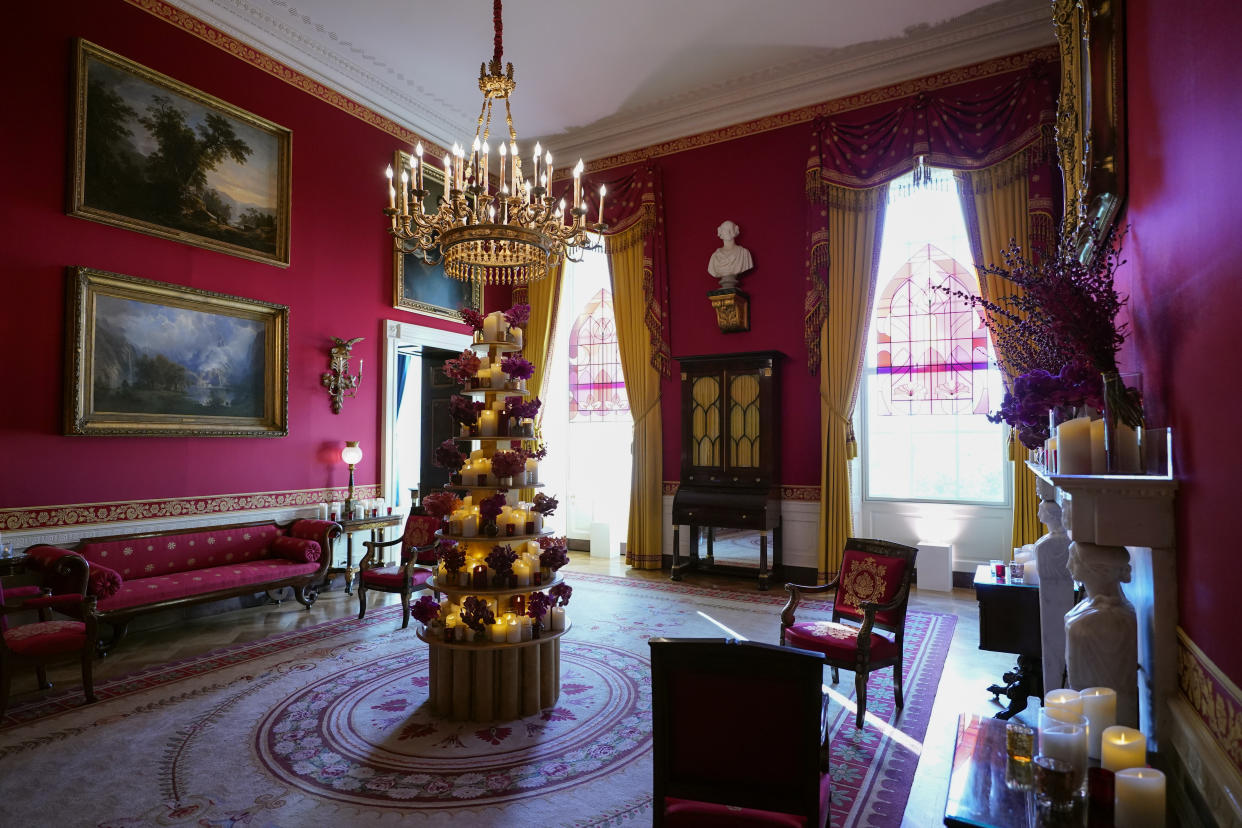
(410, 575)
(46, 641)
(872, 590)
(709, 772)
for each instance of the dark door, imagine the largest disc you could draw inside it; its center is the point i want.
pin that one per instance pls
(437, 424)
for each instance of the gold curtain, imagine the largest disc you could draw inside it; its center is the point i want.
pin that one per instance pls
(644, 534)
(998, 200)
(544, 298)
(854, 221)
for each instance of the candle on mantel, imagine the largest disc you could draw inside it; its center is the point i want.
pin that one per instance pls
(1138, 798)
(1074, 446)
(1122, 747)
(1050, 452)
(1099, 465)
(1099, 705)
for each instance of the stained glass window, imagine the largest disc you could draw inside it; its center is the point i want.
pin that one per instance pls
(596, 385)
(930, 342)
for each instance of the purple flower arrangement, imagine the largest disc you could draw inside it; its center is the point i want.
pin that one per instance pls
(489, 508)
(465, 410)
(538, 605)
(517, 316)
(560, 594)
(517, 367)
(462, 368)
(425, 610)
(501, 560)
(544, 505)
(451, 555)
(508, 463)
(472, 318)
(518, 408)
(447, 456)
(554, 553)
(475, 613)
(441, 504)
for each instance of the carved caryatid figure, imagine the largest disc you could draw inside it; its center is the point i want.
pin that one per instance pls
(1101, 632)
(729, 260)
(1056, 589)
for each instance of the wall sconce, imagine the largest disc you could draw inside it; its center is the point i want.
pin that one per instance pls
(337, 379)
(351, 454)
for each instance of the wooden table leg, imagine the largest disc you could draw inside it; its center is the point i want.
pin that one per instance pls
(711, 539)
(763, 559)
(676, 576)
(349, 563)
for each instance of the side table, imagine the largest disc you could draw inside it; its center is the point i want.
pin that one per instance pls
(377, 526)
(1009, 623)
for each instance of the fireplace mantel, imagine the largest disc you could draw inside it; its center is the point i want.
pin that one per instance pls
(1135, 512)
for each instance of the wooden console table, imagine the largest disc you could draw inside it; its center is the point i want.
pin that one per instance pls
(1009, 623)
(377, 526)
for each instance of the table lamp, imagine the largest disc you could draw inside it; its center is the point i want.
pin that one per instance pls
(351, 454)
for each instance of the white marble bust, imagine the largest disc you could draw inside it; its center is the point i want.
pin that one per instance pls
(1101, 632)
(729, 260)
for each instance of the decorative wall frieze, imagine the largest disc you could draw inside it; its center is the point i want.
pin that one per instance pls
(1216, 700)
(94, 515)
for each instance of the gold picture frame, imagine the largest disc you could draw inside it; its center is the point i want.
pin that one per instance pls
(148, 358)
(421, 287)
(1091, 117)
(232, 195)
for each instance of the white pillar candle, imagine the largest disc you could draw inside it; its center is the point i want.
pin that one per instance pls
(538, 523)
(1099, 465)
(558, 619)
(459, 632)
(527, 631)
(522, 570)
(532, 471)
(498, 632)
(1099, 705)
(1127, 449)
(1122, 748)
(1138, 798)
(1066, 741)
(1074, 446)
(1069, 699)
(513, 629)
(470, 526)
(491, 328)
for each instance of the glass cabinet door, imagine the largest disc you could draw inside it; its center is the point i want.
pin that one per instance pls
(744, 421)
(705, 422)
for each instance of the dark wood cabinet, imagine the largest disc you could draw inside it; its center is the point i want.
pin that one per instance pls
(730, 454)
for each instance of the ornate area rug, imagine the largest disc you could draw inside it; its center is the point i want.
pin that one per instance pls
(329, 725)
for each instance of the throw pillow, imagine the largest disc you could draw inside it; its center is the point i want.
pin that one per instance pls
(298, 550)
(103, 582)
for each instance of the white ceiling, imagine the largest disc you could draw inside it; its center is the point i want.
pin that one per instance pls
(598, 78)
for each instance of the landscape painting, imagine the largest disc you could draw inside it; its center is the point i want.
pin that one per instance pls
(423, 287)
(154, 155)
(155, 358)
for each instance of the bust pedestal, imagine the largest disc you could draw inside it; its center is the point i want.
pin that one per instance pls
(732, 309)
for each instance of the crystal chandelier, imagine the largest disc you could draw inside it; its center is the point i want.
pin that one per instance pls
(511, 235)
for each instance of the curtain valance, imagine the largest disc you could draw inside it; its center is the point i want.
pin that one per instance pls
(967, 126)
(635, 198)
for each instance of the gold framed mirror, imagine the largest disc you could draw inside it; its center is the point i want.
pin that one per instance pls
(1091, 117)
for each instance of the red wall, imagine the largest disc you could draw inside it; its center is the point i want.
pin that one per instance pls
(756, 182)
(1184, 248)
(339, 282)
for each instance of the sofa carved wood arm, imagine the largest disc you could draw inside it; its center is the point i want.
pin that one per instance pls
(129, 575)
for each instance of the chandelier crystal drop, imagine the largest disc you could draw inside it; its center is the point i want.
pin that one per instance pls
(510, 234)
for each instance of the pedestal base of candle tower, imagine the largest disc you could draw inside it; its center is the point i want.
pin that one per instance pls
(500, 683)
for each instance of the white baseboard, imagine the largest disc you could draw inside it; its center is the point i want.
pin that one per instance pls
(1204, 765)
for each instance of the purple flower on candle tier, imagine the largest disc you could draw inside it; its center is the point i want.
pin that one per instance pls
(561, 593)
(544, 505)
(464, 410)
(540, 452)
(501, 559)
(472, 318)
(537, 606)
(489, 507)
(451, 555)
(475, 612)
(441, 504)
(517, 366)
(521, 409)
(508, 463)
(554, 554)
(517, 316)
(463, 367)
(425, 610)
(447, 456)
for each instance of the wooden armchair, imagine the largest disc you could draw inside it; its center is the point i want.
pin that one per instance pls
(45, 641)
(408, 576)
(708, 771)
(872, 589)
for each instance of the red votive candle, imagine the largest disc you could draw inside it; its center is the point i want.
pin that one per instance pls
(519, 604)
(480, 577)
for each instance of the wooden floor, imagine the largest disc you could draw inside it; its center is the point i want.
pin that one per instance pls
(967, 671)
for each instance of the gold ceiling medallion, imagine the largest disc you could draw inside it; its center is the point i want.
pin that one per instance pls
(511, 234)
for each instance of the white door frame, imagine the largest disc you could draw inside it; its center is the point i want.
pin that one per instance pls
(400, 336)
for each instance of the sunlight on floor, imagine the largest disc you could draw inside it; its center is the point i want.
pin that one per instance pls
(731, 633)
(912, 745)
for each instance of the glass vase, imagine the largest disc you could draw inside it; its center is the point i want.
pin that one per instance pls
(1123, 423)
(1056, 415)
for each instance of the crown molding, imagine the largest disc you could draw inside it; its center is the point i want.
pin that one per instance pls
(799, 85)
(426, 114)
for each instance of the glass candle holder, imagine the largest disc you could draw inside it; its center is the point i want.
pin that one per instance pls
(1063, 736)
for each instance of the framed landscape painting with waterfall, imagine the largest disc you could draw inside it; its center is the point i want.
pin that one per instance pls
(153, 358)
(155, 155)
(422, 287)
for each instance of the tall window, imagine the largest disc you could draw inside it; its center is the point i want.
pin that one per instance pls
(929, 376)
(586, 420)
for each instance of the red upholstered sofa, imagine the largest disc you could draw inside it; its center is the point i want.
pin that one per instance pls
(133, 574)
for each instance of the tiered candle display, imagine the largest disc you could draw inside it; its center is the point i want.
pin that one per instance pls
(494, 636)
